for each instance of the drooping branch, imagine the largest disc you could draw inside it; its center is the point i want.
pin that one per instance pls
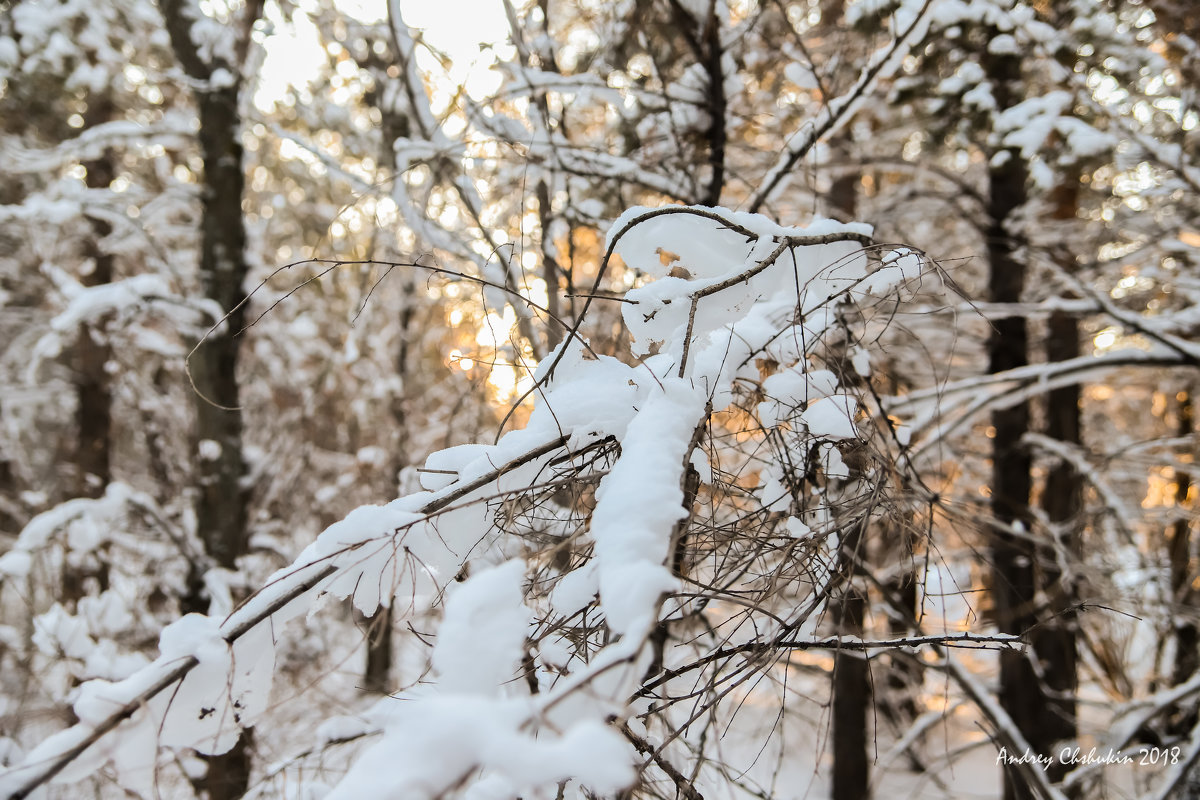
(23, 780)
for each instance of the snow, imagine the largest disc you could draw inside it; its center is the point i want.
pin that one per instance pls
(575, 590)
(638, 504)
(9, 53)
(371, 456)
(554, 653)
(899, 268)
(722, 271)
(498, 571)
(1028, 124)
(591, 398)
(860, 10)
(432, 744)
(1004, 44)
(221, 78)
(831, 417)
(790, 389)
(39, 530)
(58, 631)
(194, 635)
(446, 466)
(15, 563)
(800, 74)
(363, 549)
(343, 727)
(485, 615)
(797, 529)
(208, 450)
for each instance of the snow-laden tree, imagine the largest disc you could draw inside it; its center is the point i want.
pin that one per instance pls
(662, 534)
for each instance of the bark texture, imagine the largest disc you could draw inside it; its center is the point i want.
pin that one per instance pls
(851, 682)
(221, 493)
(1054, 641)
(1183, 573)
(1013, 554)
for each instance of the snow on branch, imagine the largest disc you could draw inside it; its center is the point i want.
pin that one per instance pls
(173, 131)
(561, 558)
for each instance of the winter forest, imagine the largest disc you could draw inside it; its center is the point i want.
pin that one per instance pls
(548, 399)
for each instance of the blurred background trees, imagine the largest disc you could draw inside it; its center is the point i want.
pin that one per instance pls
(365, 243)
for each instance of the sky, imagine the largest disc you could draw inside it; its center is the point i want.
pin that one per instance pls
(455, 27)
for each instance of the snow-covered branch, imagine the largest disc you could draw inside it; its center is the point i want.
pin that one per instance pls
(729, 281)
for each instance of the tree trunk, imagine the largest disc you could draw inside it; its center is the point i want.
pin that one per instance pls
(93, 393)
(1178, 22)
(851, 678)
(851, 681)
(1053, 641)
(221, 505)
(11, 519)
(94, 411)
(1183, 593)
(377, 671)
(221, 499)
(717, 103)
(1012, 552)
(904, 675)
(221, 502)
(377, 674)
(228, 775)
(550, 267)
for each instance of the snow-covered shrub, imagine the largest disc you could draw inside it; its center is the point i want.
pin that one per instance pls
(664, 530)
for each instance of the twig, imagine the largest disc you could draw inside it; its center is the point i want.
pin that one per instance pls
(785, 243)
(968, 640)
(682, 784)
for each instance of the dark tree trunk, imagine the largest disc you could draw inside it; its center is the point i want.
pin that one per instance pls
(550, 267)
(377, 676)
(904, 674)
(93, 392)
(221, 507)
(703, 39)
(11, 520)
(851, 681)
(843, 193)
(718, 104)
(221, 512)
(1054, 642)
(377, 671)
(1184, 596)
(228, 775)
(1012, 552)
(221, 501)
(1178, 22)
(93, 414)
